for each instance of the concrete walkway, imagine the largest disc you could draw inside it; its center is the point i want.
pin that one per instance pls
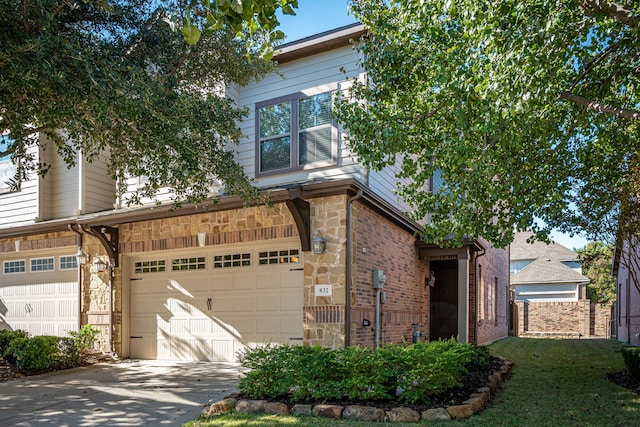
(127, 393)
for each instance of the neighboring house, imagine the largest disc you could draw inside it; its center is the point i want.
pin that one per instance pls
(202, 282)
(626, 267)
(549, 291)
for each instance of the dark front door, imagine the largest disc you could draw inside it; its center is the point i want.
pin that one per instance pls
(444, 300)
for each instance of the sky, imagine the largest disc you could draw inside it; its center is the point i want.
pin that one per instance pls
(316, 16)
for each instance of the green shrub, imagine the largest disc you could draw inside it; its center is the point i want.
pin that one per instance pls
(41, 353)
(302, 374)
(6, 336)
(631, 356)
(34, 354)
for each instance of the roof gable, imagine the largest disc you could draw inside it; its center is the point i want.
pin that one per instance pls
(545, 270)
(521, 250)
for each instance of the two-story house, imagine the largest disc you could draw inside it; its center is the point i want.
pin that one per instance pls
(331, 260)
(549, 292)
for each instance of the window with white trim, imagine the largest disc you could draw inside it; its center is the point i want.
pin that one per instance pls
(193, 263)
(285, 256)
(7, 167)
(295, 132)
(232, 260)
(14, 267)
(153, 266)
(42, 264)
(68, 262)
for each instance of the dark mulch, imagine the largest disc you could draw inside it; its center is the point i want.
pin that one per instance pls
(626, 380)
(472, 381)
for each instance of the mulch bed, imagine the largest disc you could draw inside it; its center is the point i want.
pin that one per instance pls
(626, 380)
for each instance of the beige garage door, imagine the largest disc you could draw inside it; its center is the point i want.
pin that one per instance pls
(39, 293)
(208, 304)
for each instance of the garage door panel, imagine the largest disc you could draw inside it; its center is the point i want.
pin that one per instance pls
(289, 302)
(221, 282)
(144, 325)
(268, 303)
(222, 304)
(269, 280)
(244, 282)
(246, 326)
(211, 314)
(244, 304)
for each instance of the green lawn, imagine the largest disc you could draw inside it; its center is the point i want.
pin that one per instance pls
(554, 383)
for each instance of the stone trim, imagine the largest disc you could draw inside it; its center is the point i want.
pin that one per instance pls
(212, 239)
(35, 244)
(475, 404)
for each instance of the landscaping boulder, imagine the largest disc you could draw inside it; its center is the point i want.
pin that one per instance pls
(250, 406)
(222, 407)
(364, 413)
(403, 415)
(436, 414)
(328, 411)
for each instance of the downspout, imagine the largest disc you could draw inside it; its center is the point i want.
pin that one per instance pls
(475, 311)
(79, 244)
(348, 272)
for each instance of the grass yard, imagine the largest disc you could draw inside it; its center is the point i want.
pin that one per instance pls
(554, 383)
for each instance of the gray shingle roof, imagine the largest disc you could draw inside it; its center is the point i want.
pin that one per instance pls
(545, 270)
(521, 250)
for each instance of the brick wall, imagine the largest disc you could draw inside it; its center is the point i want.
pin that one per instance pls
(492, 310)
(380, 244)
(600, 320)
(554, 317)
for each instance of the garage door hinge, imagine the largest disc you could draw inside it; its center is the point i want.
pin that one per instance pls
(135, 278)
(296, 269)
(135, 337)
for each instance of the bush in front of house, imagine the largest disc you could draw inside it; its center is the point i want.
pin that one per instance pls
(408, 373)
(45, 353)
(631, 356)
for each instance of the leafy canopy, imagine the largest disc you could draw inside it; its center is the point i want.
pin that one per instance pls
(597, 258)
(526, 108)
(256, 17)
(114, 77)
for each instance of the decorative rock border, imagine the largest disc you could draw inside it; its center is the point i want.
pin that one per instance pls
(476, 403)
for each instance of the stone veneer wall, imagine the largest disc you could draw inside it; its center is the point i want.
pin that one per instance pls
(381, 244)
(324, 316)
(554, 317)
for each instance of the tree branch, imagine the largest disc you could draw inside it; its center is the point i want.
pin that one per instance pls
(614, 10)
(600, 108)
(595, 61)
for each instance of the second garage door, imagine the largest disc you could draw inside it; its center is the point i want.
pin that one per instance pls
(208, 304)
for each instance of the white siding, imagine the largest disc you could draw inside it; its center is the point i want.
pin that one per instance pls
(99, 188)
(63, 185)
(21, 207)
(546, 292)
(384, 183)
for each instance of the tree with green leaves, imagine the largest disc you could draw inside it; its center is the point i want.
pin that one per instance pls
(117, 77)
(527, 109)
(257, 18)
(597, 260)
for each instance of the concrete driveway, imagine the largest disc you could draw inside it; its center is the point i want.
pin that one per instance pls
(126, 393)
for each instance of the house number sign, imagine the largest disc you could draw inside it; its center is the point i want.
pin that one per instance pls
(324, 290)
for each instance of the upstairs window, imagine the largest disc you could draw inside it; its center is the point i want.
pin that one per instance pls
(7, 167)
(295, 132)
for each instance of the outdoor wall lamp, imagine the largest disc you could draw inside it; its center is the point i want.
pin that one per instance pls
(99, 265)
(431, 280)
(82, 257)
(319, 243)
